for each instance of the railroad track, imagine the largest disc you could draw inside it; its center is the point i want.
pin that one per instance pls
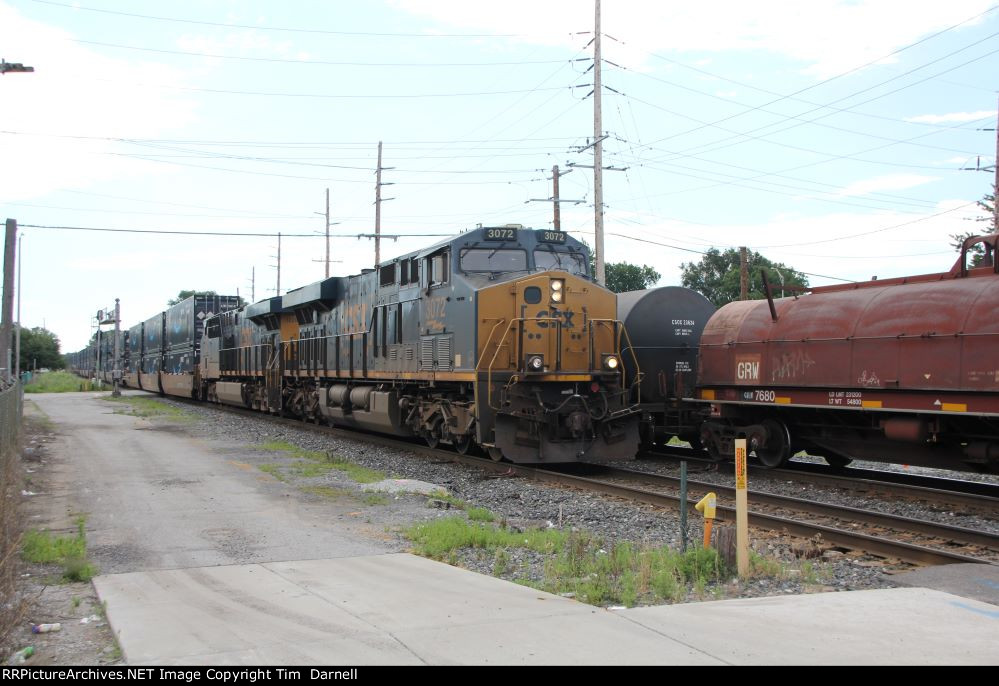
(981, 497)
(985, 546)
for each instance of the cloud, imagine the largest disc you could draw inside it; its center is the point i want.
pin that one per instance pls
(105, 97)
(952, 117)
(812, 32)
(889, 182)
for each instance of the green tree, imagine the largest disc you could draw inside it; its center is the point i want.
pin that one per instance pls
(40, 347)
(986, 204)
(716, 276)
(622, 277)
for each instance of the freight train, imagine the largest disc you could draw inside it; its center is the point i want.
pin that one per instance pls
(901, 370)
(496, 338)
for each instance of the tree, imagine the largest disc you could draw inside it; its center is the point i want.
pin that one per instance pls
(717, 278)
(40, 347)
(622, 276)
(987, 205)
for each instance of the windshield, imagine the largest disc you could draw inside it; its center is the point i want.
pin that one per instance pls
(570, 262)
(493, 260)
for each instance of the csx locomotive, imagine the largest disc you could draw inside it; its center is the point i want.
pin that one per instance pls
(495, 338)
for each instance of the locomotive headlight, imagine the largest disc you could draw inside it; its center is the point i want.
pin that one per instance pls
(558, 292)
(611, 363)
(535, 363)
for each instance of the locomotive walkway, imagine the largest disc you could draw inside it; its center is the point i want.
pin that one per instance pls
(206, 564)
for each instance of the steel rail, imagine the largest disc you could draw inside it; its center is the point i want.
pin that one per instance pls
(907, 485)
(948, 532)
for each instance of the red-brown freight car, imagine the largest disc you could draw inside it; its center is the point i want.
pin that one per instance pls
(901, 370)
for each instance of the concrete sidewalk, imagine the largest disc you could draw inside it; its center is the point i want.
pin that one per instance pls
(401, 609)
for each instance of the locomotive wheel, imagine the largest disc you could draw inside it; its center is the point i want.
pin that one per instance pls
(496, 454)
(462, 444)
(432, 439)
(837, 461)
(778, 448)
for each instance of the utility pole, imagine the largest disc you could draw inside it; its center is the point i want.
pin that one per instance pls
(17, 347)
(10, 248)
(279, 265)
(557, 218)
(378, 207)
(328, 232)
(253, 284)
(743, 274)
(555, 199)
(598, 157)
(115, 367)
(995, 188)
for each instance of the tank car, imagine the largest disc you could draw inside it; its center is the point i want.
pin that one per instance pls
(496, 337)
(902, 370)
(664, 328)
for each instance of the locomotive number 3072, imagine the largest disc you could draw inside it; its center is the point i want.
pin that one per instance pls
(501, 234)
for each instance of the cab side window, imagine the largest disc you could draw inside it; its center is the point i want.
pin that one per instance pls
(438, 269)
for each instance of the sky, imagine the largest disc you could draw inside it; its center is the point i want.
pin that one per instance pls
(845, 138)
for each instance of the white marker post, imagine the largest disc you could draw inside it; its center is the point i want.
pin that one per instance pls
(741, 509)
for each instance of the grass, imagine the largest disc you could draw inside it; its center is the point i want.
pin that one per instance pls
(577, 564)
(312, 463)
(69, 551)
(60, 382)
(328, 492)
(139, 406)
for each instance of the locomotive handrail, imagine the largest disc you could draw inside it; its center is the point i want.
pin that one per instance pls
(617, 332)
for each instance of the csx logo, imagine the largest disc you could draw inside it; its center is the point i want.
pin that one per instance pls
(749, 371)
(566, 318)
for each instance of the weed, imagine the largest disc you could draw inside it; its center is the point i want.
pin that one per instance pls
(323, 463)
(308, 468)
(765, 566)
(501, 562)
(272, 469)
(327, 492)
(139, 406)
(376, 499)
(480, 514)
(75, 602)
(446, 497)
(69, 551)
(579, 563)
(59, 382)
(809, 574)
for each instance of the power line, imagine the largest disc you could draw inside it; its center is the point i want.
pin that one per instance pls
(327, 96)
(280, 60)
(220, 233)
(227, 25)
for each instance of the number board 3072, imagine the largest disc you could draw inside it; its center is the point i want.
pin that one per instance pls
(501, 233)
(550, 236)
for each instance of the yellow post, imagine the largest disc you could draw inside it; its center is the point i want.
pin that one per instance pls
(741, 509)
(707, 506)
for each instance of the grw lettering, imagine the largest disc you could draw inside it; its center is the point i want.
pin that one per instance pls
(749, 371)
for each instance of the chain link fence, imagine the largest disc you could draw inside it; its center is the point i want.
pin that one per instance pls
(11, 404)
(13, 603)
